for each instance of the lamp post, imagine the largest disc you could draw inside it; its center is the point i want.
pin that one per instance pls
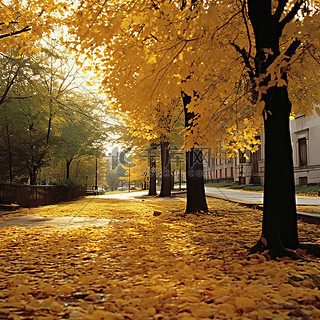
(129, 177)
(96, 183)
(180, 174)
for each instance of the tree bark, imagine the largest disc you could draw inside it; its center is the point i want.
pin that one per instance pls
(165, 170)
(68, 163)
(196, 198)
(279, 227)
(153, 168)
(279, 214)
(33, 176)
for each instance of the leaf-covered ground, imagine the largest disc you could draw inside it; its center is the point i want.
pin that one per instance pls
(141, 266)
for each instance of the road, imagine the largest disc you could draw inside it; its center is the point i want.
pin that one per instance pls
(223, 193)
(254, 197)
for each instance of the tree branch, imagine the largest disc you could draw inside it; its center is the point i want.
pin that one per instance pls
(292, 48)
(245, 58)
(279, 10)
(289, 17)
(9, 85)
(243, 10)
(9, 34)
(313, 56)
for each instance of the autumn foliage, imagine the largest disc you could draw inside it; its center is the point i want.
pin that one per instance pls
(138, 266)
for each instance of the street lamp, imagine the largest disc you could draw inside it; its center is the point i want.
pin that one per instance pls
(96, 184)
(129, 177)
(180, 174)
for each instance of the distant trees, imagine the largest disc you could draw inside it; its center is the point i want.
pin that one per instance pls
(39, 122)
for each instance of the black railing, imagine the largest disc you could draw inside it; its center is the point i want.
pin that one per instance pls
(34, 196)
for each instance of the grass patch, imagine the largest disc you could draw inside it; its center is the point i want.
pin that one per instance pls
(312, 190)
(235, 186)
(219, 184)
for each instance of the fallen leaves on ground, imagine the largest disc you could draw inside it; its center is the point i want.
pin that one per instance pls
(144, 267)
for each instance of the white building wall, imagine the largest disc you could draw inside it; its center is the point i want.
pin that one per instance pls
(306, 128)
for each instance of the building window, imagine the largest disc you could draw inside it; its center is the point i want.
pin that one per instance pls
(302, 149)
(242, 157)
(303, 181)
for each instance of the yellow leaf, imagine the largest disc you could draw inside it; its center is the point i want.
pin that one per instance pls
(244, 303)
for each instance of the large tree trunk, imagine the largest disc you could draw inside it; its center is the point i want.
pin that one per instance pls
(279, 227)
(33, 176)
(153, 170)
(196, 198)
(165, 170)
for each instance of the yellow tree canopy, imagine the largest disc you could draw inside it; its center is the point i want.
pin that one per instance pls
(23, 23)
(139, 171)
(149, 52)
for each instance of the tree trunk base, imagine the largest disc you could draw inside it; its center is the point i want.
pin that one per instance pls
(308, 248)
(312, 249)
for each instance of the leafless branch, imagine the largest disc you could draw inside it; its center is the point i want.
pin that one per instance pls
(9, 34)
(279, 10)
(313, 56)
(9, 85)
(226, 23)
(243, 10)
(289, 17)
(245, 57)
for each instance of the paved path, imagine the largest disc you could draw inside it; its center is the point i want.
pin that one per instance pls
(239, 196)
(123, 195)
(222, 193)
(53, 222)
(254, 197)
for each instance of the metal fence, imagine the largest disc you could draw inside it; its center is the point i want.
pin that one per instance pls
(34, 196)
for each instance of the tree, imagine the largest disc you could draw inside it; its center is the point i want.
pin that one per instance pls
(113, 177)
(79, 136)
(38, 95)
(136, 172)
(196, 198)
(152, 170)
(276, 47)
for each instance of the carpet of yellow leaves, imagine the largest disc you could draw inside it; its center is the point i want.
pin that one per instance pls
(140, 266)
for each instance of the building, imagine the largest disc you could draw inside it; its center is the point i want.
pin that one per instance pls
(248, 168)
(305, 135)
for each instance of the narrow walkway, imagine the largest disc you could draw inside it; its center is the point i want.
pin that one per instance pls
(53, 222)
